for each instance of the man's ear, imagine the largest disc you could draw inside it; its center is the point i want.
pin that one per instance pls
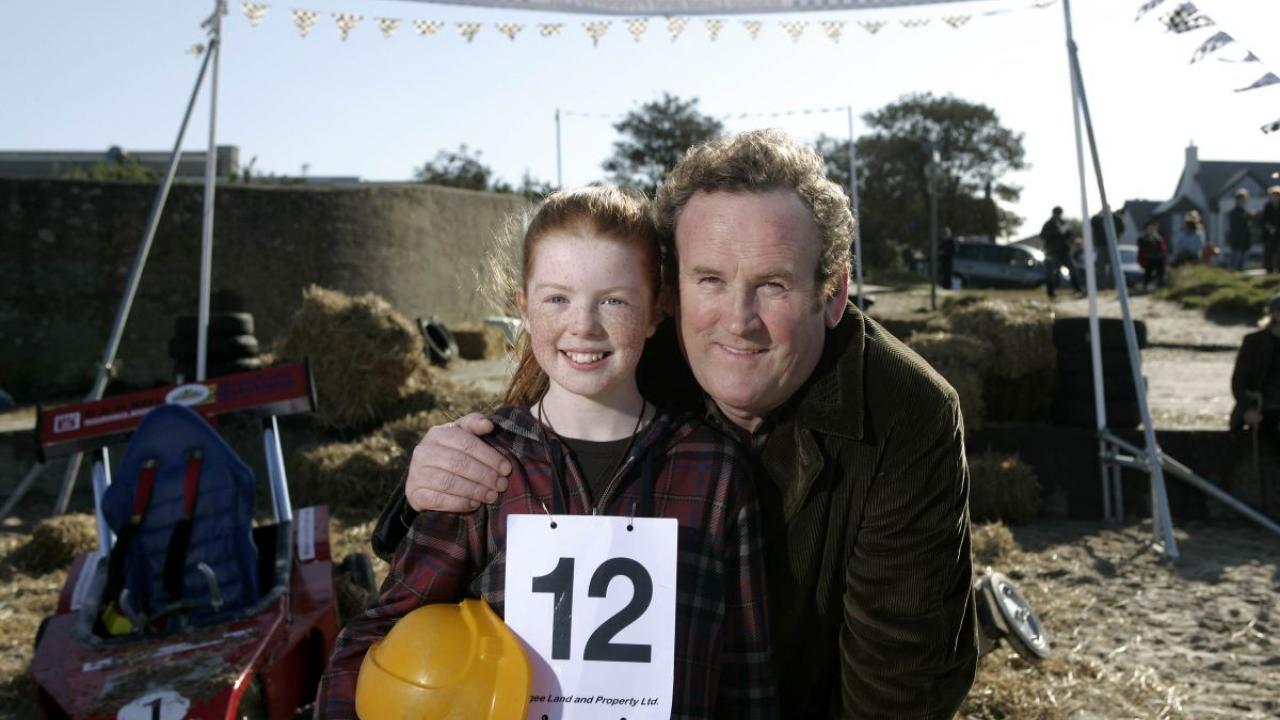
(833, 310)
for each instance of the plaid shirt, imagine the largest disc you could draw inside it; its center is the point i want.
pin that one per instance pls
(699, 477)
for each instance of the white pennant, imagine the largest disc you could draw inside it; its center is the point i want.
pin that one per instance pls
(956, 21)
(713, 28)
(255, 12)
(304, 20)
(469, 30)
(427, 27)
(346, 22)
(1146, 7)
(871, 26)
(753, 27)
(833, 28)
(637, 27)
(509, 29)
(550, 29)
(913, 23)
(675, 26)
(1265, 80)
(388, 26)
(794, 28)
(596, 30)
(1217, 42)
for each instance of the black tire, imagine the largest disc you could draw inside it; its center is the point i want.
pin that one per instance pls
(221, 347)
(184, 326)
(1117, 387)
(1074, 332)
(441, 348)
(359, 568)
(1080, 360)
(1078, 412)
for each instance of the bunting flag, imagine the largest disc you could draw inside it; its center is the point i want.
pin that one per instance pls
(346, 22)
(596, 30)
(196, 49)
(469, 30)
(547, 30)
(427, 27)
(871, 26)
(1218, 41)
(511, 30)
(1248, 58)
(1271, 127)
(388, 26)
(255, 12)
(833, 28)
(1146, 8)
(794, 28)
(675, 26)
(1265, 80)
(956, 21)
(304, 20)
(753, 27)
(713, 29)
(913, 23)
(637, 27)
(1185, 19)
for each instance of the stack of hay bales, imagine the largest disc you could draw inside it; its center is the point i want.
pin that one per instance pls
(993, 545)
(479, 341)
(55, 542)
(1002, 487)
(1018, 334)
(960, 360)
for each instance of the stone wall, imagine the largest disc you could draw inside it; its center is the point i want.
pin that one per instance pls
(66, 248)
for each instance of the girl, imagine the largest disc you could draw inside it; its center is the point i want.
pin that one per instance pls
(581, 439)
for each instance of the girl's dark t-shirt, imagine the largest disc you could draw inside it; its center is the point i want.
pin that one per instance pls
(597, 461)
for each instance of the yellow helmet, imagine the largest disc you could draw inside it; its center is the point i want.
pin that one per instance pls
(445, 662)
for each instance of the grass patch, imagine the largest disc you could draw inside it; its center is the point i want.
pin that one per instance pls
(1222, 294)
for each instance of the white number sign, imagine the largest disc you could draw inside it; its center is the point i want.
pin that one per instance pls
(595, 605)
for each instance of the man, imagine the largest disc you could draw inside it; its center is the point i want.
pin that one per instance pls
(1239, 236)
(1270, 221)
(1056, 240)
(1101, 257)
(856, 444)
(1255, 379)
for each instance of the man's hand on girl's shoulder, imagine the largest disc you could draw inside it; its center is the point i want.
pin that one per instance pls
(454, 470)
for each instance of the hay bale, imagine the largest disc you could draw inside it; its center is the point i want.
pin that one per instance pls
(366, 356)
(55, 542)
(993, 544)
(479, 341)
(959, 359)
(353, 477)
(1018, 335)
(969, 386)
(1002, 487)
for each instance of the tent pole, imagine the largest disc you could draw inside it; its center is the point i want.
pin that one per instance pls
(131, 288)
(214, 24)
(857, 221)
(1162, 523)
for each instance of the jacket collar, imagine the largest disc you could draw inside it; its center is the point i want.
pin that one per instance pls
(833, 402)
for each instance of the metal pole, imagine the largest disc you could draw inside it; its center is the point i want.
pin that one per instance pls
(853, 205)
(275, 471)
(102, 481)
(559, 168)
(131, 287)
(1161, 519)
(214, 23)
(932, 170)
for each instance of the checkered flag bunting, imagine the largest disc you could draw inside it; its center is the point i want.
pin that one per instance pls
(913, 23)
(469, 30)
(550, 29)
(388, 26)
(1217, 42)
(1185, 19)
(833, 28)
(255, 12)
(956, 21)
(713, 29)
(637, 27)
(346, 22)
(794, 28)
(675, 26)
(304, 20)
(753, 27)
(427, 27)
(1146, 8)
(511, 30)
(1265, 80)
(596, 30)
(871, 26)
(1271, 127)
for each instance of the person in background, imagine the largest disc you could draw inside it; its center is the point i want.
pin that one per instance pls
(1102, 258)
(1188, 241)
(1239, 232)
(946, 258)
(1056, 240)
(1153, 255)
(1269, 219)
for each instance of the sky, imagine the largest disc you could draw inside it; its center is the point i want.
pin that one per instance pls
(85, 75)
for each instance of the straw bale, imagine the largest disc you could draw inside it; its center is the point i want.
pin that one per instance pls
(55, 542)
(352, 477)
(942, 348)
(968, 384)
(479, 341)
(993, 545)
(363, 354)
(1002, 487)
(1018, 334)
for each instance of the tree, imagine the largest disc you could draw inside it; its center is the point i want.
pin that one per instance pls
(654, 137)
(976, 152)
(459, 168)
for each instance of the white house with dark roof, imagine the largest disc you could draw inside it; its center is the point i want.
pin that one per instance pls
(1210, 186)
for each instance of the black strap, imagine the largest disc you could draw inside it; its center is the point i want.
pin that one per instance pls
(175, 559)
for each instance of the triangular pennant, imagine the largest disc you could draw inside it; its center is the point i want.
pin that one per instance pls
(197, 49)
(1265, 80)
(637, 27)
(550, 29)
(346, 22)
(871, 26)
(913, 23)
(388, 26)
(833, 29)
(427, 27)
(675, 26)
(956, 21)
(596, 30)
(713, 28)
(469, 30)
(1271, 127)
(1042, 4)
(304, 20)
(753, 27)
(255, 12)
(1185, 19)
(511, 30)
(1218, 41)
(1146, 8)
(794, 28)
